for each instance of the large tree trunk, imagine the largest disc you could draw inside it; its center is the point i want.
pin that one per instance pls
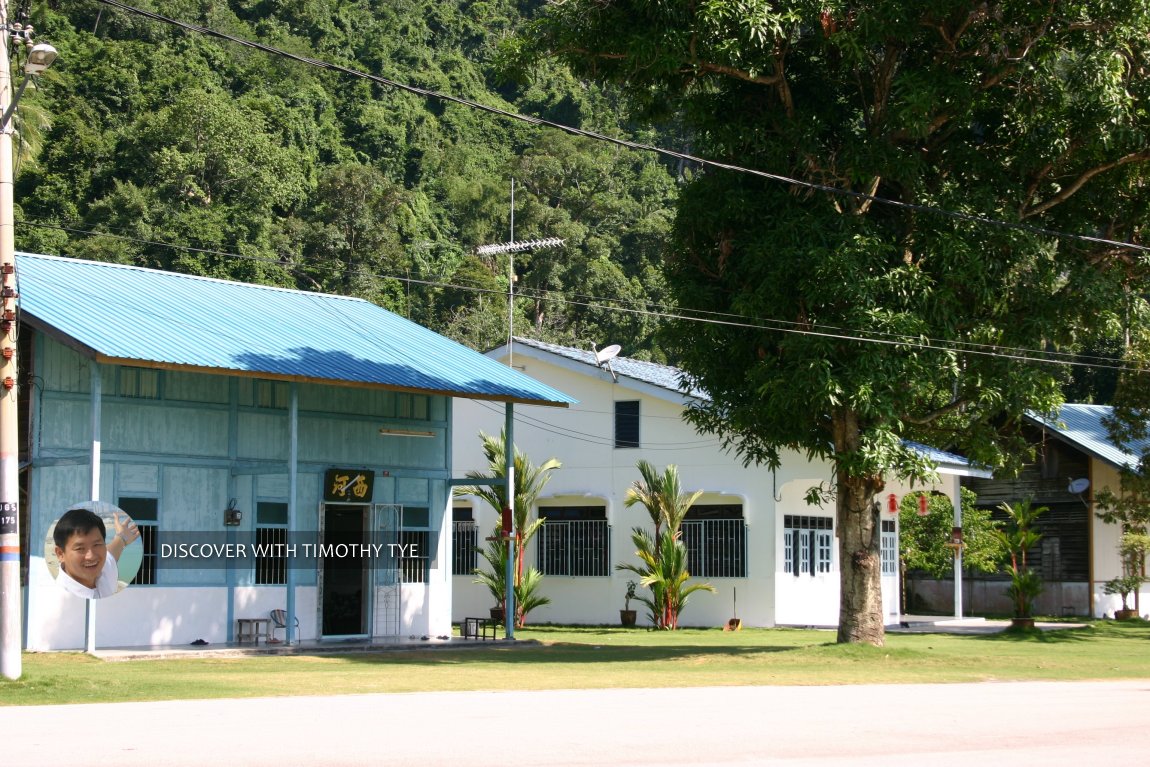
(860, 559)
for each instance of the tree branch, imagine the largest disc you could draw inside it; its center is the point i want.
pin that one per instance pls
(693, 66)
(934, 415)
(1081, 181)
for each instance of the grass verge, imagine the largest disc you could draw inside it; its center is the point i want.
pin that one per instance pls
(584, 657)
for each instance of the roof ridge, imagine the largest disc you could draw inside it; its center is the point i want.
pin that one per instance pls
(185, 275)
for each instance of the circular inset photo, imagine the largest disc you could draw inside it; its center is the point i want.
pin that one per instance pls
(93, 550)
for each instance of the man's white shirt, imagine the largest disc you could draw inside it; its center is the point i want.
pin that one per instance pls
(106, 586)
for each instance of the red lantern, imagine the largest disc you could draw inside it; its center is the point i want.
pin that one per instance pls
(922, 505)
(892, 503)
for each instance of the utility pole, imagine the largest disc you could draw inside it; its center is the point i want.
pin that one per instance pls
(37, 59)
(10, 622)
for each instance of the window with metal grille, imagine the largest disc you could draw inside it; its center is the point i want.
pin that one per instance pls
(716, 539)
(574, 540)
(627, 423)
(145, 513)
(464, 540)
(889, 543)
(415, 538)
(808, 544)
(271, 540)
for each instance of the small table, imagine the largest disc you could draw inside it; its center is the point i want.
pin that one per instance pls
(253, 629)
(477, 628)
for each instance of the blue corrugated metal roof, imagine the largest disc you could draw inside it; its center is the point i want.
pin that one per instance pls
(1082, 425)
(663, 376)
(135, 316)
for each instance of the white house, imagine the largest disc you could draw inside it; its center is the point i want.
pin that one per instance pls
(751, 534)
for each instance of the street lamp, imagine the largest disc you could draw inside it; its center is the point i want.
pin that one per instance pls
(39, 58)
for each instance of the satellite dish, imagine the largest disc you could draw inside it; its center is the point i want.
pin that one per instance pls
(1078, 486)
(608, 354)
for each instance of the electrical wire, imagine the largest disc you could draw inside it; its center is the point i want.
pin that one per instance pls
(598, 439)
(430, 94)
(703, 316)
(829, 332)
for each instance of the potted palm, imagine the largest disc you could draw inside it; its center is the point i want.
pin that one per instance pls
(494, 576)
(529, 483)
(662, 555)
(627, 616)
(1018, 536)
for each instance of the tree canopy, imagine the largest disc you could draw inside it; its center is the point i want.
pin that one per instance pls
(150, 144)
(875, 303)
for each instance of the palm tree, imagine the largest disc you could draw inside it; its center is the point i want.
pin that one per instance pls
(527, 596)
(663, 555)
(529, 483)
(662, 496)
(1018, 537)
(664, 571)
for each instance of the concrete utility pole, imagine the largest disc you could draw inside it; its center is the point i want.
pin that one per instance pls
(37, 59)
(10, 661)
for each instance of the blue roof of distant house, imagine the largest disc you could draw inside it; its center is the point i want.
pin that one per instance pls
(667, 377)
(663, 376)
(1083, 426)
(147, 318)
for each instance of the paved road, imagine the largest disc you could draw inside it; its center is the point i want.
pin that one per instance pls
(1021, 723)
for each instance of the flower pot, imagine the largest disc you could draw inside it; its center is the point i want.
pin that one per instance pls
(1022, 623)
(1125, 615)
(497, 615)
(627, 617)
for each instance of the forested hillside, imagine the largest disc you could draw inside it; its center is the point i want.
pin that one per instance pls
(152, 145)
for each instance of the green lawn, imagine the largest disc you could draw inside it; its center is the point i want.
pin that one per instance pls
(568, 657)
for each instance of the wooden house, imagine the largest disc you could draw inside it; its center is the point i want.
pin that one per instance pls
(218, 413)
(1074, 458)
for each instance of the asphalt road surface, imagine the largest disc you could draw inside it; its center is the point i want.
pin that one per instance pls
(1015, 723)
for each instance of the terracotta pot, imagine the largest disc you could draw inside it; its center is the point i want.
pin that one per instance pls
(1125, 615)
(628, 617)
(1022, 623)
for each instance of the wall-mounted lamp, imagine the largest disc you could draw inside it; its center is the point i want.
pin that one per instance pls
(386, 432)
(232, 515)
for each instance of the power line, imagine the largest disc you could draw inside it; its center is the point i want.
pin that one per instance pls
(597, 439)
(698, 315)
(321, 64)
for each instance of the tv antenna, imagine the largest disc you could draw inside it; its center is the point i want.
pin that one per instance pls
(511, 248)
(603, 358)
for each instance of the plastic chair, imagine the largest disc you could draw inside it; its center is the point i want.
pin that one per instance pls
(279, 621)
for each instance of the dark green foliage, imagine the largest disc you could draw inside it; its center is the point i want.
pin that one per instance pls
(321, 181)
(868, 323)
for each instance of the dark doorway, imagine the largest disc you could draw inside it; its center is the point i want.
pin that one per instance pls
(345, 575)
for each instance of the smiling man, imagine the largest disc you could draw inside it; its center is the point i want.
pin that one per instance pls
(87, 562)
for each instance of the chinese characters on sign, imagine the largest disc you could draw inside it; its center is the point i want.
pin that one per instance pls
(348, 485)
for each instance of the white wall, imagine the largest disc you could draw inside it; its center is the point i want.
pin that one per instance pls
(1104, 540)
(594, 471)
